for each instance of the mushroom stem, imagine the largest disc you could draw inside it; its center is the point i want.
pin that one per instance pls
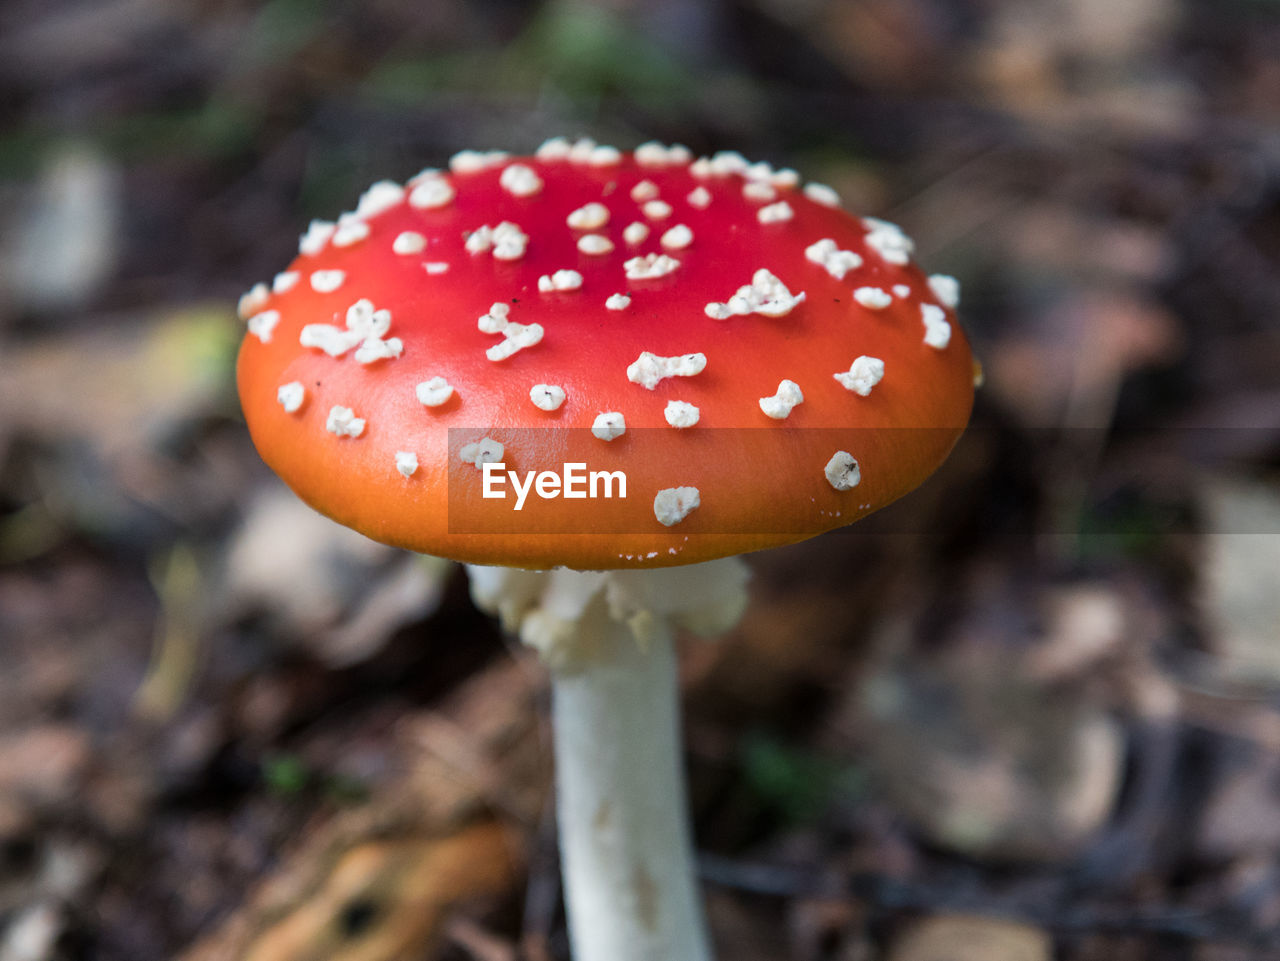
(624, 834)
(625, 846)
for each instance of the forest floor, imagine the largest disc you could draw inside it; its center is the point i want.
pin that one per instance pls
(1032, 711)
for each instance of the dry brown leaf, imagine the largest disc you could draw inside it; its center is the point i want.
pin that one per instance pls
(988, 762)
(379, 883)
(311, 577)
(959, 938)
(387, 899)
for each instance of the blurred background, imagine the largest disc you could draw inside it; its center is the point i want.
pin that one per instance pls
(1030, 712)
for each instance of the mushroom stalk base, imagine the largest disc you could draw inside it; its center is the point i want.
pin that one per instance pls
(625, 847)
(624, 834)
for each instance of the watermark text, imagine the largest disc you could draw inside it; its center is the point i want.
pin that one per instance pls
(573, 482)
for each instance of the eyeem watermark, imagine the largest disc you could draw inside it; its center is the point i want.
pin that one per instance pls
(573, 482)
(1123, 500)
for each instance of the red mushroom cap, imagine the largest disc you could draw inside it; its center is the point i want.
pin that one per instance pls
(760, 365)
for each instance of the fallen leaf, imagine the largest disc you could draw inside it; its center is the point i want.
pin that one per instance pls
(960, 938)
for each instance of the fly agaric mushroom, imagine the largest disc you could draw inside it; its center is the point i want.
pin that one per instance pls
(605, 367)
